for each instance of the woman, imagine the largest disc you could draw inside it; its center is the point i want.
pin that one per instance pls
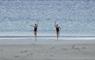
(57, 27)
(35, 28)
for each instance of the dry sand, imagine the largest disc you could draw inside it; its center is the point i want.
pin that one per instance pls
(48, 52)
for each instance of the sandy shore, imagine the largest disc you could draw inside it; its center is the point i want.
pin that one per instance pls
(48, 52)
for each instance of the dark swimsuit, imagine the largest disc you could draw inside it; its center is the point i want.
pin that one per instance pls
(35, 30)
(57, 30)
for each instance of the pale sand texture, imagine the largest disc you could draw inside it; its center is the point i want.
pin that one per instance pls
(48, 52)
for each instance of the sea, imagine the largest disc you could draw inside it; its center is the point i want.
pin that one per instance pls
(44, 38)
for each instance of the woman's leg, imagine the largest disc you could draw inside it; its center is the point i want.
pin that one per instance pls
(35, 33)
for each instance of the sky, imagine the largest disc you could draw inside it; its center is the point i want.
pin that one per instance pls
(73, 16)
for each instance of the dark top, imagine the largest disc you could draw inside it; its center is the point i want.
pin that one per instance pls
(57, 29)
(35, 28)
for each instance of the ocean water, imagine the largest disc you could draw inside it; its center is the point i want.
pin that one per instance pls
(44, 38)
(47, 40)
(73, 16)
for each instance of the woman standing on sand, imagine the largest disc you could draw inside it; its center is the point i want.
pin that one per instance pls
(57, 27)
(35, 30)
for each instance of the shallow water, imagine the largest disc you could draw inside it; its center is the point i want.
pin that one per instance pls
(46, 39)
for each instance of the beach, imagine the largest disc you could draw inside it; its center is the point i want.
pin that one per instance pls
(49, 51)
(29, 29)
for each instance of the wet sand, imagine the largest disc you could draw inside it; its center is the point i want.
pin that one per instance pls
(47, 52)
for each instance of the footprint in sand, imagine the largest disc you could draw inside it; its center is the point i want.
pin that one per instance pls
(84, 47)
(16, 56)
(65, 49)
(78, 47)
(30, 54)
(52, 48)
(52, 55)
(75, 47)
(24, 51)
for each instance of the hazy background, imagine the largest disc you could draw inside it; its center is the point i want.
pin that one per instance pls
(74, 16)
